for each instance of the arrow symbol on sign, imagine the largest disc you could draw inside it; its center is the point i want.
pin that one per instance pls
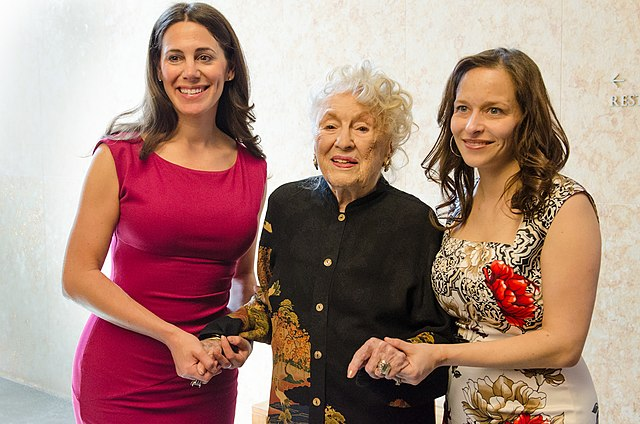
(617, 81)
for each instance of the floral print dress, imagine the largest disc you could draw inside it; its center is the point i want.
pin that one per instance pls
(494, 290)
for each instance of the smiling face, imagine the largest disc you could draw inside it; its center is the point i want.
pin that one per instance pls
(485, 115)
(349, 149)
(193, 69)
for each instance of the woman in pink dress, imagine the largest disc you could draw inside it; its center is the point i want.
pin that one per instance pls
(176, 196)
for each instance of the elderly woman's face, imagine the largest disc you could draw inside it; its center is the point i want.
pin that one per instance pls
(349, 150)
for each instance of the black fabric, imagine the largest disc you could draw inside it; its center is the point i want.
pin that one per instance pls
(377, 284)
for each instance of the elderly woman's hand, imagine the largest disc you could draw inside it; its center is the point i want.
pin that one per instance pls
(422, 360)
(379, 358)
(228, 352)
(191, 361)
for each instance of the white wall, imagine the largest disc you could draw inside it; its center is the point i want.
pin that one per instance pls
(69, 66)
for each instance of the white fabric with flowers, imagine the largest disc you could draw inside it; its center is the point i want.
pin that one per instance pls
(494, 290)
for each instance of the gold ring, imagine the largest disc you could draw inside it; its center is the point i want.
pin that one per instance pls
(398, 380)
(383, 367)
(196, 383)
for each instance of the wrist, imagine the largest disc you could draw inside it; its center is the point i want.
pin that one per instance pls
(442, 358)
(171, 335)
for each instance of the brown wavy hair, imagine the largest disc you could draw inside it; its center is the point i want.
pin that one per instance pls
(540, 145)
(158, 119)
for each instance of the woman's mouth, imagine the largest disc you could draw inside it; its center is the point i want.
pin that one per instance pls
(344, 162)
(475, 143)
(192, 91)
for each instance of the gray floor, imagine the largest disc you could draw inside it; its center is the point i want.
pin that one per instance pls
(24, 405)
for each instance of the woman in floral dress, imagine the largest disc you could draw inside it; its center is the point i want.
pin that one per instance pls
(520, 257)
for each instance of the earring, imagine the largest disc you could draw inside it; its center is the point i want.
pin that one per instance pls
(451, 147)
(386, 164)
(315, 161)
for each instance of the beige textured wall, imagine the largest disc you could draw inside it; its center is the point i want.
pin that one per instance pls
(69, 66)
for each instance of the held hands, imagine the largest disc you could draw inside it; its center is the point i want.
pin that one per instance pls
(229, 352)
(191, 359)
(380, 360)
(419, 360)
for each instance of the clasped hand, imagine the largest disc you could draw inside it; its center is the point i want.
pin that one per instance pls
(227, 352)
(410, 363)
(203, 360)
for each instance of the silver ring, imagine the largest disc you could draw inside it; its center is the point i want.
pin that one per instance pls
(383, 368)
(398, 380)
(196, 383)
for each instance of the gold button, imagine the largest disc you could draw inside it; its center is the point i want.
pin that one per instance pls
(341, 217)
(316, 402)
(328, 262)
(317, 354)
(319, 307)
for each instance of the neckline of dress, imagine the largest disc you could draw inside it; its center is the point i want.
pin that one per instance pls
(489, 242)
(202, 171)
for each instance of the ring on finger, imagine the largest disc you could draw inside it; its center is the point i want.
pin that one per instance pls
(398, 380)
(383, 368)
(196, 383)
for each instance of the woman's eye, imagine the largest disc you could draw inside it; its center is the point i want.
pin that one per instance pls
(173, 58)
(205, 58)
(494, 111)
(460, 108)
(362, 129)
(328, 127)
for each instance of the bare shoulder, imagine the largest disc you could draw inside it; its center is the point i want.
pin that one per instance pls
(103, 165)
(575, 229)
(576, 211)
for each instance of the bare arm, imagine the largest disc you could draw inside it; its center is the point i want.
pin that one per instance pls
(84, 282)
(244, 282)
(570, 265)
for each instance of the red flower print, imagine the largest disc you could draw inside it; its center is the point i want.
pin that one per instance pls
(510, 291)
(528, 419)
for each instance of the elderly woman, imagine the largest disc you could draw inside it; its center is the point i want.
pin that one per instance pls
(344, 257)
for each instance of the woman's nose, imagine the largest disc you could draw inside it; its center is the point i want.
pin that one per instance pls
(474, 123)
(344, 140)
(191, 70)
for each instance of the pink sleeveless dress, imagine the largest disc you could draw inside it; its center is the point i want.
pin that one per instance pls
(174, 250)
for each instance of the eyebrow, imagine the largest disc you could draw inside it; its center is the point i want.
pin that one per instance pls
(490, 102)
(361, 116)
(198, 50)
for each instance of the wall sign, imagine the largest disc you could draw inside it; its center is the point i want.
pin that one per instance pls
(623, 100)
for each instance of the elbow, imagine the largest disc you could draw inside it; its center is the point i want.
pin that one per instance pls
(69, 289)
(571, 359)
(568, 357)
(560, 350)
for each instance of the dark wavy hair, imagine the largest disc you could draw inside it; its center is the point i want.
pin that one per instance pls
(540, 145)
(158, 119)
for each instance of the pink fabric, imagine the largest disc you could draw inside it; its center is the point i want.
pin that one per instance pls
(174, 250)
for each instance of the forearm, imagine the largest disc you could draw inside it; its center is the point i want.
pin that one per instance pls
(93, 290)
(251, 321)
(534, 349)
